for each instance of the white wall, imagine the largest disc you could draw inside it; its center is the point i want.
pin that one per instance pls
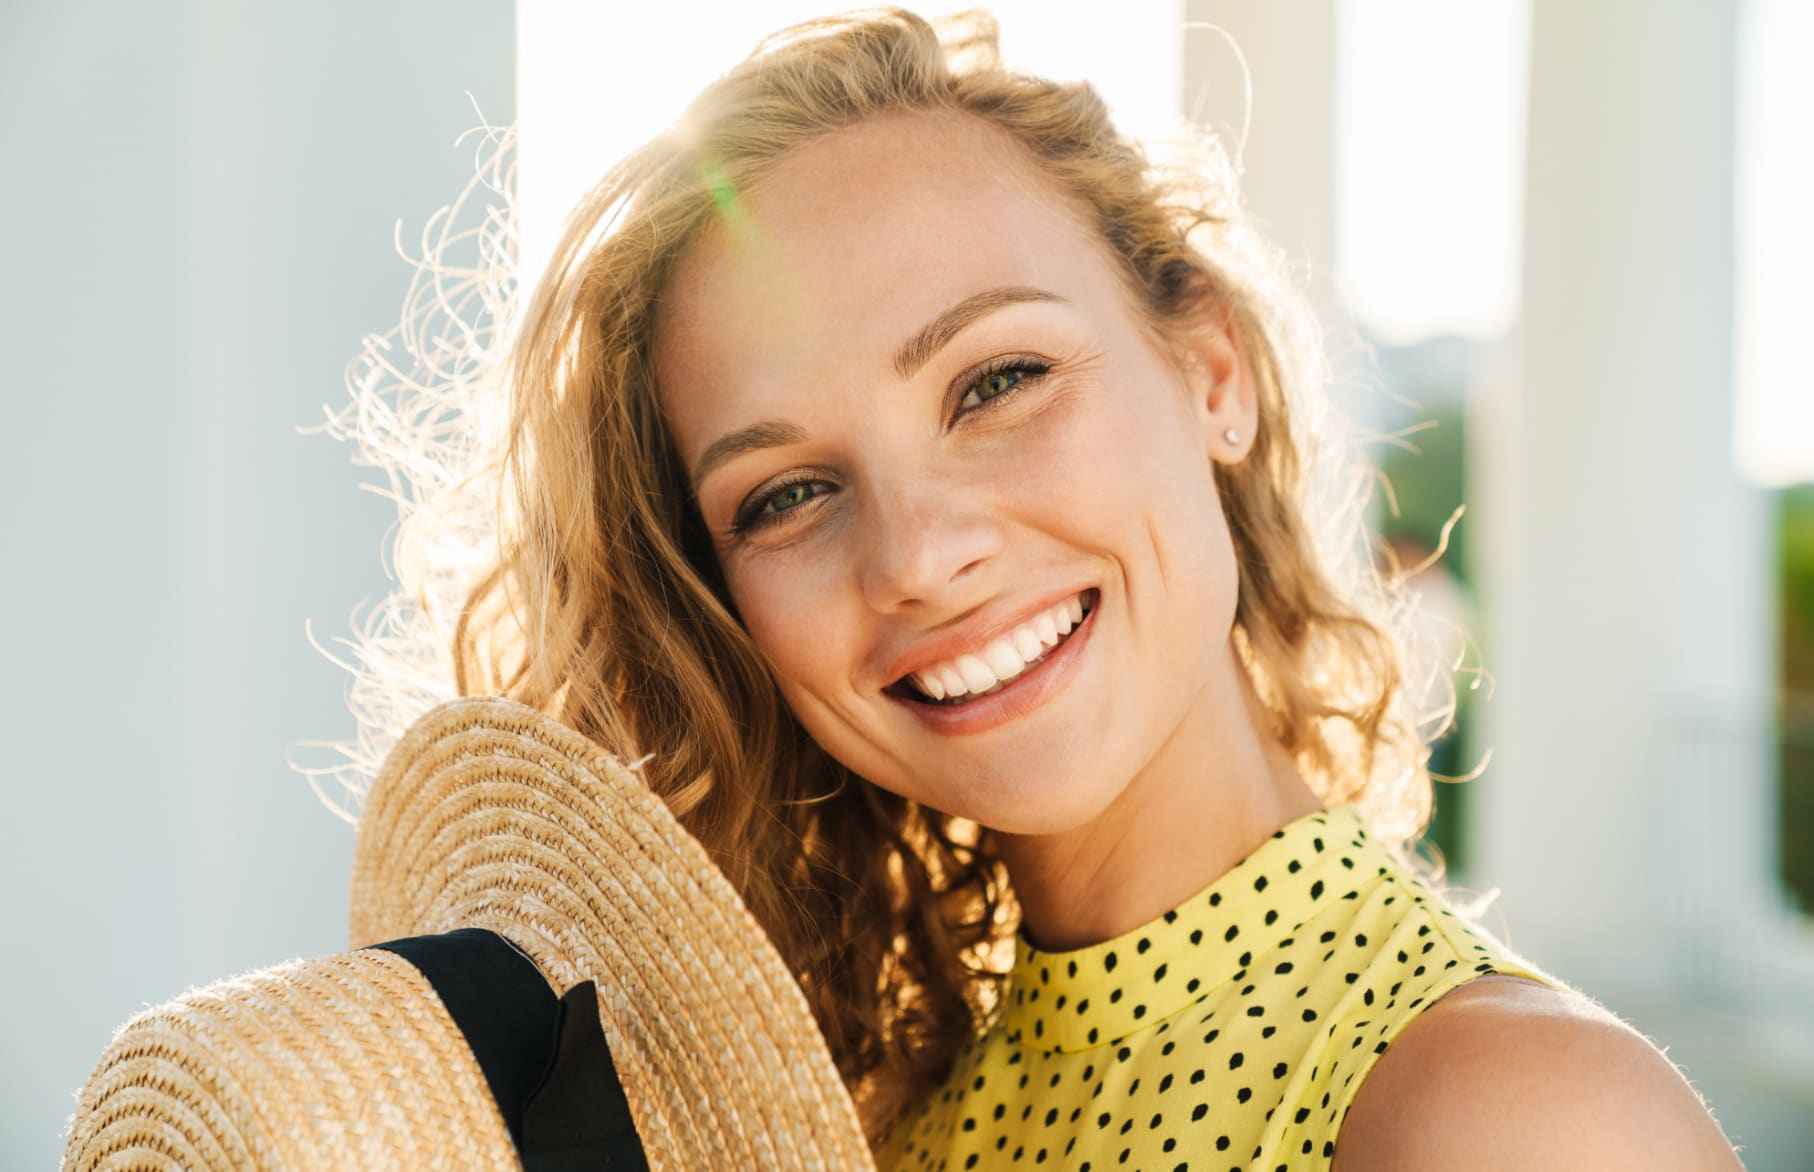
(198, 205)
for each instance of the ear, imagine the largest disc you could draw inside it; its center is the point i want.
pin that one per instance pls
(1221, 384)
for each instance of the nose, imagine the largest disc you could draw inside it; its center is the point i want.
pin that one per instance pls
(926, 542)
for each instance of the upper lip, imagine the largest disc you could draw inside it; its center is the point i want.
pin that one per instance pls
(973, 636)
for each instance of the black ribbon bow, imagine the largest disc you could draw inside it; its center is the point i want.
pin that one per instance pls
(544, 1057)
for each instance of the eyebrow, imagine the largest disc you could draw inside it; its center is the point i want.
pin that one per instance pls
(940, 330)
(915, 353)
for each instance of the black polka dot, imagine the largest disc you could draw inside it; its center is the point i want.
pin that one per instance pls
(1105, 1081)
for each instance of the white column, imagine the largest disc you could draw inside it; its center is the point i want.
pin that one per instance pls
(199, 234)
(1623, 562)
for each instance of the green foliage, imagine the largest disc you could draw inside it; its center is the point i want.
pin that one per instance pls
(1430, 484)
(1795, 537)
(1795, 618)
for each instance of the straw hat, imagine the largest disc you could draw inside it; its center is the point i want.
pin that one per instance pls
(501, 857)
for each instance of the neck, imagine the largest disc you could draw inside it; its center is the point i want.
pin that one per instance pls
(1216, 789)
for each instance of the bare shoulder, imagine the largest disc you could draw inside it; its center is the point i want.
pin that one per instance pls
(1506, 1073)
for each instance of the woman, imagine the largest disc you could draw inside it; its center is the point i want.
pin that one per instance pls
(934, 488)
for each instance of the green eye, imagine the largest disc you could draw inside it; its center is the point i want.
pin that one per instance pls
(770, 509)
(790, 496)
(998, 382)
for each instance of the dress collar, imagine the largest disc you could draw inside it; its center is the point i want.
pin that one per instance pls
(1095, 996)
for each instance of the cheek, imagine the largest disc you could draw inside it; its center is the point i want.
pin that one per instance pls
(783, 604)
(807, 636)
(1125, 460)
(1133, 473)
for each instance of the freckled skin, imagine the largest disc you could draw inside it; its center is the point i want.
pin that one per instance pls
(1147, 774)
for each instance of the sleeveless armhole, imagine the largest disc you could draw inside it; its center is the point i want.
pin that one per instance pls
(1360, 1039)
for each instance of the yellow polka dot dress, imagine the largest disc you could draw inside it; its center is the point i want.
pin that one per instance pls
(1232, 1032)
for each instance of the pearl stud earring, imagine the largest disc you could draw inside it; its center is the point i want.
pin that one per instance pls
(1232, 436)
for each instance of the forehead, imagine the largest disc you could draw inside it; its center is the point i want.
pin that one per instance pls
(853, 242)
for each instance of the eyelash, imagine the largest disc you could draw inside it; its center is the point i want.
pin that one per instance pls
(752, 516)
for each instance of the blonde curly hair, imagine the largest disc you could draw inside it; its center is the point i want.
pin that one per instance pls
(550, 550)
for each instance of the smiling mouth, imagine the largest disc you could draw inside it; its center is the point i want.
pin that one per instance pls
(906, 689)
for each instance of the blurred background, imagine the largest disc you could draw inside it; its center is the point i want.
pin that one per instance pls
(1561, 250)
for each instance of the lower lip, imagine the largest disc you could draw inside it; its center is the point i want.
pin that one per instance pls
(1023, 694)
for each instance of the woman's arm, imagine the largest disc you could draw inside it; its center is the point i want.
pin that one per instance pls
(1514, 1075)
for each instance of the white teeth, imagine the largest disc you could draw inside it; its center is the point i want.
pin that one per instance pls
(1004, 658)
(976, 673)
(1026, 641)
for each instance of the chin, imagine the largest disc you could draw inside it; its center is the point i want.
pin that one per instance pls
(1030, 805)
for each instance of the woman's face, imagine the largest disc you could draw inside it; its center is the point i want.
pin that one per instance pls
(907, 372)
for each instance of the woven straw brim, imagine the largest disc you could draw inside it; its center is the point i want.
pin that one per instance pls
(489, 814)
(337, 1062)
